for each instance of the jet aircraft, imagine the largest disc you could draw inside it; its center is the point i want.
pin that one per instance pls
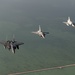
(15, 45)
(11, 44)
(69, 22)
(40, 33)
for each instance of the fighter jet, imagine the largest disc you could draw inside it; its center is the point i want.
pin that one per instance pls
(69, 22)
(11, 44)
(15, 45)
(40, 33)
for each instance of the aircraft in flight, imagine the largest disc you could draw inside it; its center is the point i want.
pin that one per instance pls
(69, 22)
(40, 33)
(11, 44)
(15, 45)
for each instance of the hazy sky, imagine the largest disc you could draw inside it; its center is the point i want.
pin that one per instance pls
(36, 4)
(33, 8)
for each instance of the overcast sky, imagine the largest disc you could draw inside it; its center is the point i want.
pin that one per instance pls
(10, 8)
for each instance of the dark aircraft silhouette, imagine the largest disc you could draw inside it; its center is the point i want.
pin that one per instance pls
(15, 45)
(11, 44)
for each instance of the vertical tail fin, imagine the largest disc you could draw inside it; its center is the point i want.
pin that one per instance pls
(66, 23)
(39, 28)
(68, 18)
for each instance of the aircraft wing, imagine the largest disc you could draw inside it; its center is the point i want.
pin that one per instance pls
(13, 50)
(18, 43)
(43, 36)
(73, 25)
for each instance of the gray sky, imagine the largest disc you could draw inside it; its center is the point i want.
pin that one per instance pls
(33, 8)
